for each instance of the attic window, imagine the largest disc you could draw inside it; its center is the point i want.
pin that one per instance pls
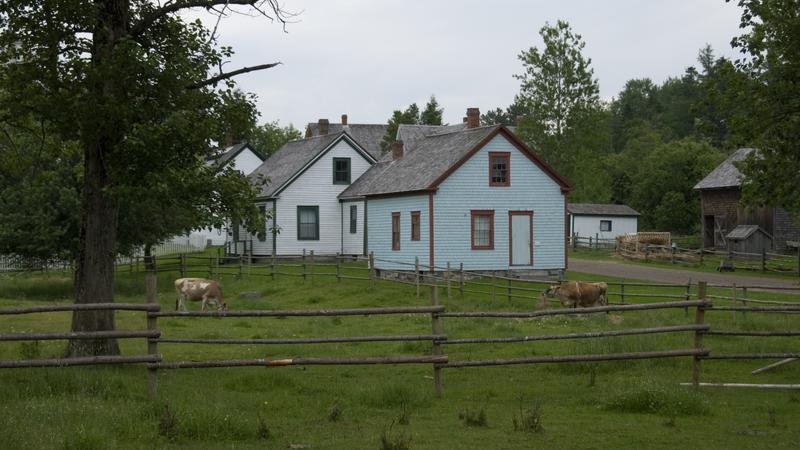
(605, 225)
(499, 167)
(341, 170)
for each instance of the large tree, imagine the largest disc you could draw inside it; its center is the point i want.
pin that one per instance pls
(771, 61)
(130, 82)
(269, 137)
(558, 93)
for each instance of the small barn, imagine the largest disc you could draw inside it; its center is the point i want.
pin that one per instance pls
(749, 239)
(604, 221)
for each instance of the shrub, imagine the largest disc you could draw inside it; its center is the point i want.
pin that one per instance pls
(646, 396)
(394, 441)
(335, 413)
(529, 419)
(472, 418)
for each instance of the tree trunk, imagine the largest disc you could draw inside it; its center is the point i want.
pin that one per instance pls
(94, 275)
(149, 265)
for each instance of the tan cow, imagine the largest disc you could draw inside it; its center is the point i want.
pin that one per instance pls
(199, 289)
(582, 294)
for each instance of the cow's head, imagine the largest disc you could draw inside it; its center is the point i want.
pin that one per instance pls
(553, 290)
(222, 306)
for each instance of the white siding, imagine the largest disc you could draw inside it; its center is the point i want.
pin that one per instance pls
(353, 243)
(589, 226)
(246, 161)
(315, 188)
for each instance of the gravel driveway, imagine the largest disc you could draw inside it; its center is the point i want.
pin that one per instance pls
(677, 276)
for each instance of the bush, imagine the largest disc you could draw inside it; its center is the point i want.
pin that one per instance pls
(648, 397)
(472, 418)
(529, 419)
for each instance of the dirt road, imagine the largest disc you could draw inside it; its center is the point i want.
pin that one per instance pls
(663, 275)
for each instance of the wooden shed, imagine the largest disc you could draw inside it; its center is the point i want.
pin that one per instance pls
(749, 239)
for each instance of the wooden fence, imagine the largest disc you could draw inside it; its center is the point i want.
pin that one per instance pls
(149, 333)
(725, 260)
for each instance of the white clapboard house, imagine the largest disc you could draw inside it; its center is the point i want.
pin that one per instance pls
(305, 178)
(602, 221)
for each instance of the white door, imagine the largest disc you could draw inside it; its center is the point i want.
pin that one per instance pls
(521, 235)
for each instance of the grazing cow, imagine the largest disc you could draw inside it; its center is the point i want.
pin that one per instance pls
(199, 289)
(579, 293)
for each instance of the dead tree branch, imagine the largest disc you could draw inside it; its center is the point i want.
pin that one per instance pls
(227, 75)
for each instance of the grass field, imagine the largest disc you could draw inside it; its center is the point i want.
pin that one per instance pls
(636, 404)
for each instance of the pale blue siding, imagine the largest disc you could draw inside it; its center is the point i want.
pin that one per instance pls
(468, 189)
(379, 235)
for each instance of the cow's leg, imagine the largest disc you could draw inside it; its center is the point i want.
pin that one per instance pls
(205, 302)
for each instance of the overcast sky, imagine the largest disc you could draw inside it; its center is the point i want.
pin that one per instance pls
(366, 58)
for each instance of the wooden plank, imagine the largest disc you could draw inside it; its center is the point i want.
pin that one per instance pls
(80, 361)
(773, 365)
(575, 358)
(117, 334)
(305, 313)
(277, 341)
(590, 334)
(746, 385)
(80, 307)
(570, 311)
(425, 359)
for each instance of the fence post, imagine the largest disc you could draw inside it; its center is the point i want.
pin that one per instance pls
(590, 242)
(702, 251)
(371, 270)
(273, 265)
(733, 296)
(447, 277)
(461, 278)
(338, 267)
(182, 264)
(744, 301)
(622, 291)
(493, 287)
(688, 295)
(152, 345)
(416, 274)
(646, 251)
(699, 319)
(763, 260)
(304, 265)
(311, 268)
(241, 263)
(596, 241)
(508, 289)
(436, 349)
(672, 259)
(574, 241)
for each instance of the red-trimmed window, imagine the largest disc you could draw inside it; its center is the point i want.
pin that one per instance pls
(499, 169)
(482, 229)
(395, 231)
(415, 225)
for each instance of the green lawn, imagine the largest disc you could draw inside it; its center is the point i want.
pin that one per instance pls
(636, 404)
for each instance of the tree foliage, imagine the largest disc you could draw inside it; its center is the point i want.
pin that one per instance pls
(431, 115)
(129, 83)
(269, 137)
(771, 115)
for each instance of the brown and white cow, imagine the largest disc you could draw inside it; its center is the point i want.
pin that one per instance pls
(582, 294)
(199, 290)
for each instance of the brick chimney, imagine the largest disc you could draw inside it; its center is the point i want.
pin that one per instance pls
(323, 126)
(473, 117)
(344, 119)
(397, 150)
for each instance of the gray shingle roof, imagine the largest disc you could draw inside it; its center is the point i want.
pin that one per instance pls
(412, 134)
(726, 174)
(599, 209)
(367, 135)
(288, 160)
(222, 156)
(430, 158)
(744, 231)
